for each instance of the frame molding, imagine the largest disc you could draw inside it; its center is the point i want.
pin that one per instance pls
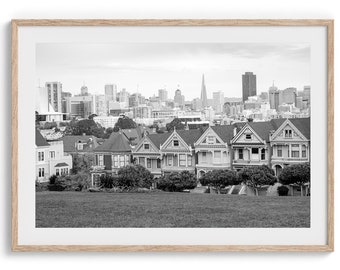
(16, 23)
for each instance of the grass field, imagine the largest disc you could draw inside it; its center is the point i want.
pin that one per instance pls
(85, 209)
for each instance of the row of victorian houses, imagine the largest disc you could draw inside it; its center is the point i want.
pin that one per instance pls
(276, 143)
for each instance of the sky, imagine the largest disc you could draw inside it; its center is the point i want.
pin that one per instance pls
(147, 67)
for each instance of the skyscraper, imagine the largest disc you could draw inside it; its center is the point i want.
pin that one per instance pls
(275, 97)
(54, 90)
(179, 98)
(111, 92)
(162, 94)
(84, 91)
(204, 93)
(248, 85)
(218, 99)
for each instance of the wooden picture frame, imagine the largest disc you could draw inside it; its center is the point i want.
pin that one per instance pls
(328, 24)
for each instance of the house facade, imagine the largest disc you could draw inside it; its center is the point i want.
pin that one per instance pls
(290, 143)
(50, 158)
(213, 149)
(177, 152)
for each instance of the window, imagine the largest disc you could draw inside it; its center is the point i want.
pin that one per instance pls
(66, 170)
(169, 160)
(204, 156)
(263, 154)
(57, 172)
(217, 156)
(41, 172)
(80, 146)
(148, 163)
(254, 150)
(211, 140)
(41, 156)
(240, 153)
(288, 133)
(158, 163)
(52, 154)
(182, 160)
(279, 151)
(121, 161)
(100, 160)
(115, 161)
(146, 146)
(295, 150)
(142, 161)
(304, 151)
(189, 161)
(176, 143)
(248, 136)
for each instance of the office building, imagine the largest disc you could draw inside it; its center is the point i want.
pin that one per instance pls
(111, 92)
(54, 90)
(248, 85)
(162, 95)
(204, 98)
(218, 101)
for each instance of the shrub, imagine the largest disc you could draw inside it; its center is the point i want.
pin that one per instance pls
(134, 176)
(282, 191)
(108, 181)
(296, 174)
(176, 182)
(56, 184)
(220, 179)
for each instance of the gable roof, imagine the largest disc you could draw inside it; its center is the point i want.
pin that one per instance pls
(190, 136)
(133, 134)
(225, 132)
(116, 143)
(70, 143)
(39, 139)
(159, 138)
(303, 125)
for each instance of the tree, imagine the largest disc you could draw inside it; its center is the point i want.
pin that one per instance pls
(135, 176)
(92, 116)
(220, 179)
(176, 182)
(82, 163)
(124, 122)
(296, 174)
(257, 176)
(176, 123)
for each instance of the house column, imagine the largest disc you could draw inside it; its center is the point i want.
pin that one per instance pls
(186, 160)
(118, 157)
(289, 150)
(300, 151)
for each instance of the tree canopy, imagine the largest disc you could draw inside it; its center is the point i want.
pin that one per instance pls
(135, 176)
(220, 178)
(176, 123)
(257, 176)
(124, 123)
(177, 181)
(295, 174)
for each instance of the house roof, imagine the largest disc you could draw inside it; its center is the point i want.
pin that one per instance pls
(225, 132)
(263, 129)
(190, 136)
(117, 142)
(39, 139)
(133, 134)
(303, 125)
(62, 164)
(91, 142)
(159, 138)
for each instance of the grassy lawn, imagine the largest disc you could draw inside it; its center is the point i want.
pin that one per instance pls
(85, 209)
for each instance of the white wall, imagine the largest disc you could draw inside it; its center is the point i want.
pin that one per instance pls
(149, 9)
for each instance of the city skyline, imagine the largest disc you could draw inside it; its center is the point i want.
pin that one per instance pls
(145, 68)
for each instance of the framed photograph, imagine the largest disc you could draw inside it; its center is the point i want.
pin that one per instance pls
(172, 135)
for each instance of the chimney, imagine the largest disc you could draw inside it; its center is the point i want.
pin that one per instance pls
(234, 131)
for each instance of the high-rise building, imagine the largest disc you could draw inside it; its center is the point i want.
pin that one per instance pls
(80, 106)
(84, 91)
(179, 98)
(306, 94)
(41, 100)
(101, 105)
(197, 104)
(64, 95)
(275, 97)
(218, 98)
(123, 96)
(289, 95)
(111, 92)
(162, 95)
(204, 98)
(248, 85)
(54, 90)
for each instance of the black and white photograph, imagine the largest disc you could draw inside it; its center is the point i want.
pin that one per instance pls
(173, 135)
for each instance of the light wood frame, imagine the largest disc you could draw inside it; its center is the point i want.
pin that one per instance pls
(166, 248)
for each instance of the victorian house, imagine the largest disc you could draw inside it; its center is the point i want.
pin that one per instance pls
(177, 152)
(290, 143)
(147, 152)
(213, 149)
(251, 144)
(113, 154)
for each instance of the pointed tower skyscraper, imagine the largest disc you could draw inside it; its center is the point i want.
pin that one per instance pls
(204, 93)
